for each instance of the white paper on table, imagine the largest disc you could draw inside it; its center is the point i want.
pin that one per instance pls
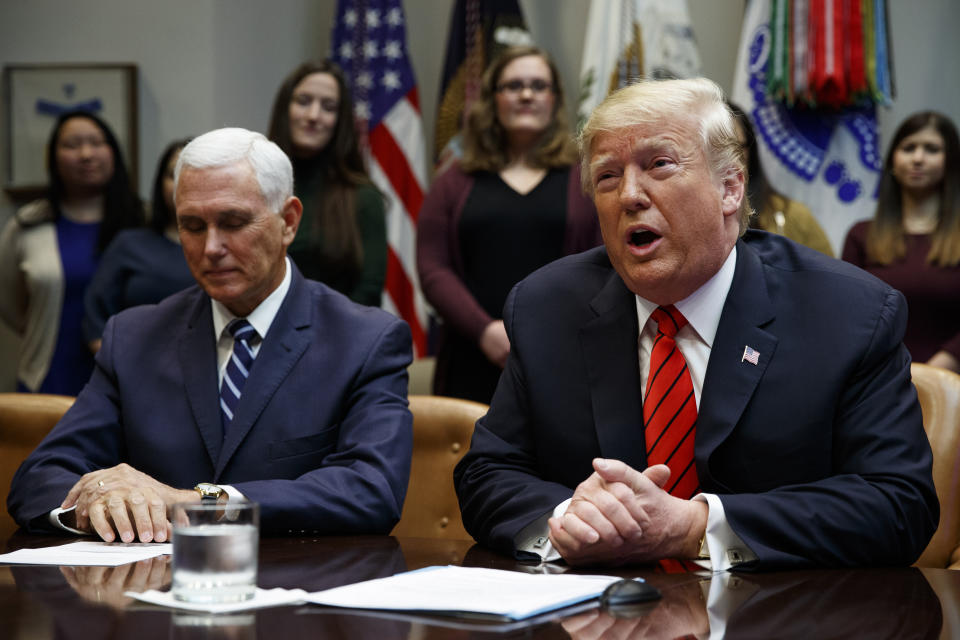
(262, 598)
(467, 590)
(89, 553)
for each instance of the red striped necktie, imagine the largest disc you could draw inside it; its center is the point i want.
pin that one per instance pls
(670, 408)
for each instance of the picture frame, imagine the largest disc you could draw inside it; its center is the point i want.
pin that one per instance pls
(36, 94)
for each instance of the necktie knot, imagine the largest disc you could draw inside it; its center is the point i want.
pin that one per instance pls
(241, 330)
(669, 320)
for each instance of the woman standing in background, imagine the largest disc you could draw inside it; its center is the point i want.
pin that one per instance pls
(913, 241)
(141, 266)
(50, 249)
(342, 239)
(512, 204)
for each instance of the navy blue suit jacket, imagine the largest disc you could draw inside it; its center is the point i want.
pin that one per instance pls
(322, 437)
(817, 452)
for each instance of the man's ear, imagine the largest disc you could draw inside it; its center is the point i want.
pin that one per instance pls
(734, 187)
(291, 213)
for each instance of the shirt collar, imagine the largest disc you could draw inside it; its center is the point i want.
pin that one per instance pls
(703, 307)
(260, 318)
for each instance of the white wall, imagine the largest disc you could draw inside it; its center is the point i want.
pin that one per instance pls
(210, 63)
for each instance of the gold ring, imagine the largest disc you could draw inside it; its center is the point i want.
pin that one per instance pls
(100, 483)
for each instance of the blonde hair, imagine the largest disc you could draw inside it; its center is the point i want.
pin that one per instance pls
(652, 101)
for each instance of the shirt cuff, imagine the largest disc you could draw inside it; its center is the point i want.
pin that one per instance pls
(56, 522)
(540, 542)
(726, 548)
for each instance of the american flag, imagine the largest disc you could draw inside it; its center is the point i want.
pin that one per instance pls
(751, 355)
(370, 45)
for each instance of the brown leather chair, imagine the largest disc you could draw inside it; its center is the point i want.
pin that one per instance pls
(25, 418)
(442, 428)
(939, 392)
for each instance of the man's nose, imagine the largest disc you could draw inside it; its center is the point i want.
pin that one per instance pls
(212, 242)
(633, 195)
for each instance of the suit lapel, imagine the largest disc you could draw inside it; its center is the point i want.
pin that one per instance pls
(610, 349)
(731, 381)
(197, 352)
(284, 344)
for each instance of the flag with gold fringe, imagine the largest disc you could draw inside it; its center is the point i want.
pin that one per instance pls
(631, 39)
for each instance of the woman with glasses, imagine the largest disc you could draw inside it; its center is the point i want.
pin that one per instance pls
(510, 205)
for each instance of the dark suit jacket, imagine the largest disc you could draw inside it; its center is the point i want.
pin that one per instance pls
(322, 437)
(817, 452)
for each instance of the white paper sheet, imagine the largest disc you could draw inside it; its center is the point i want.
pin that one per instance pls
(262, 598)
(89, 553)
(454, 590)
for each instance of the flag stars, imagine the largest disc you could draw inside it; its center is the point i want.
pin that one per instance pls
(362, 110)
(370, 50)
(373, 18)
(391, 80)
(346, 51)
(393, 50)
(350, 18)
(365, 80)
(394, 17)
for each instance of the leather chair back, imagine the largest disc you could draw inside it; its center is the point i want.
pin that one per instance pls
(939, 392)
(25, 419)
(442, 428)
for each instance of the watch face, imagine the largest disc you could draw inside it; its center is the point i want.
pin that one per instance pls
(208, 491)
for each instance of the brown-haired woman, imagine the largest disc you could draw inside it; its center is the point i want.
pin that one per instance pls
(342, 239)
(511, 205)
(913, 241)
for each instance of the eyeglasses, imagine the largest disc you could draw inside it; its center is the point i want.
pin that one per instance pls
(516, 87)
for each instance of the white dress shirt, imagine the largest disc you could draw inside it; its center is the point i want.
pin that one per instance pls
(702, 309)
(260, 318)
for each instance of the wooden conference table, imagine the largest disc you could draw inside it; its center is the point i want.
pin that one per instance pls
(87, 602)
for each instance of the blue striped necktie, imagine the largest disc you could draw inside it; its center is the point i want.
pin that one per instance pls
(238, 369)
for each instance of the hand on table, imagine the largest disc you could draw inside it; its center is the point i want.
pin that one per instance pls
(107, 585)
(121, 501)
(495, 344)
(620, 515)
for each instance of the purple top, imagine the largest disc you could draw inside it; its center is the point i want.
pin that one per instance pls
(932, 292)
(440, 264)
(72, 361)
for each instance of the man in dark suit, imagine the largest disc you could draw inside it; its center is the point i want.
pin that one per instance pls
(304, 411)
(693, 392)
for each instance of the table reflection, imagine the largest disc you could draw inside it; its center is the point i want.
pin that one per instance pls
(88, 602)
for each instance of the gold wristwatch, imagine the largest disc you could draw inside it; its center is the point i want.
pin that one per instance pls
(209, 493)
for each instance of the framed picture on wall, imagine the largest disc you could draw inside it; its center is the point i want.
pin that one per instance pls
(36, 94)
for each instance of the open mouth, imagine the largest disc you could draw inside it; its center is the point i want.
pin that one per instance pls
(642, 237)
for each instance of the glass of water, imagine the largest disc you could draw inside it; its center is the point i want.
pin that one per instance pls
(215, 551)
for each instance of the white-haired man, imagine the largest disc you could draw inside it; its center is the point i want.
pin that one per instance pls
(256, 384)
(692, 390)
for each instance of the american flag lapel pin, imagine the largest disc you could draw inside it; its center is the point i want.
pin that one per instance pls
(750, 355)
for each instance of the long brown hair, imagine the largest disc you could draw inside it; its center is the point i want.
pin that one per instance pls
(885, 238)
(340, 162)
(485, 140)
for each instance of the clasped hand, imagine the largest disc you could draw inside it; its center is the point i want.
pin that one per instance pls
(621, 515)
(121, 501)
